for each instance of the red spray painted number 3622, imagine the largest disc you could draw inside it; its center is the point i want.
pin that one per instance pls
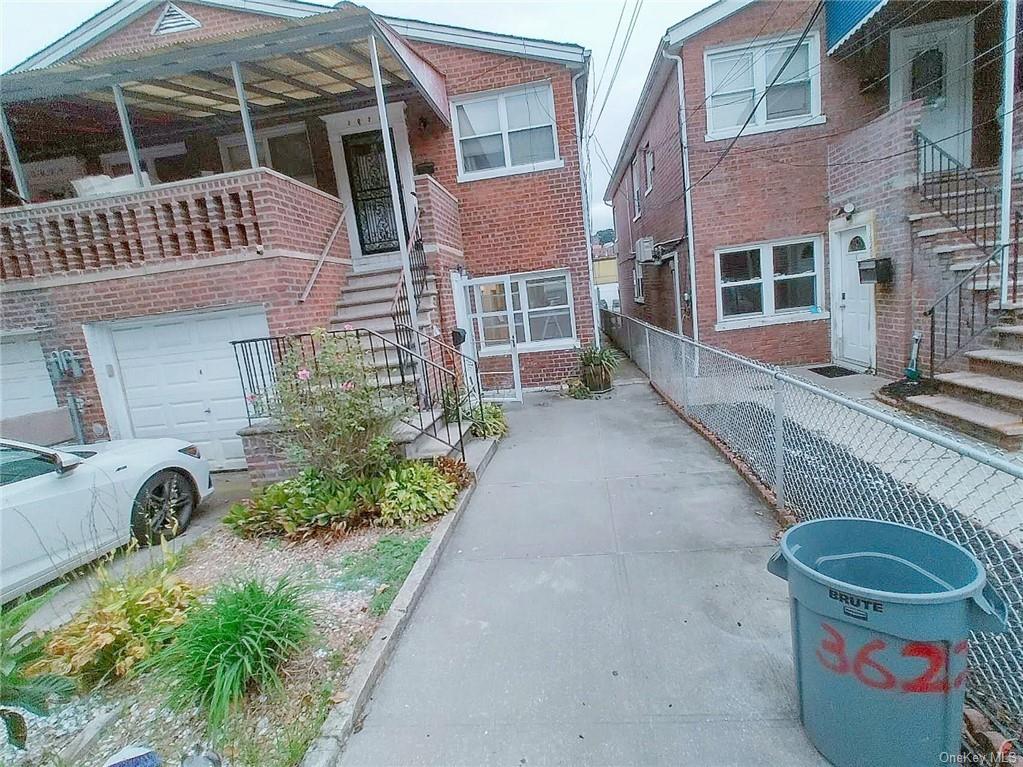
(864, 666)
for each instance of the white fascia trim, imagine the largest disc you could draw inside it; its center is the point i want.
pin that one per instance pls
(858, 27)
(126, 11)
(700, 20)
(564, 53)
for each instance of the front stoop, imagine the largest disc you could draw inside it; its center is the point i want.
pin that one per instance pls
(341, 721)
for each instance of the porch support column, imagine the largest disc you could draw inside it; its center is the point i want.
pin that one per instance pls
(243, 107)
(20, 182)
(129, 136)
(1008, 91)
(392, 178)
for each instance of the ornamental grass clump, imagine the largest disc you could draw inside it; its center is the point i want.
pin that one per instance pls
(233, 643)
(331, 416)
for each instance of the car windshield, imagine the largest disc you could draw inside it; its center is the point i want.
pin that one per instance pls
(18, 463)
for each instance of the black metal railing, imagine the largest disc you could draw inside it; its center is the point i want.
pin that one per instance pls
(958, 193)
(469, 400)
(417, 260)
(971, 305)
(402, 380)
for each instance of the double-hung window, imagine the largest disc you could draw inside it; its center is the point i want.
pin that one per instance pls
(505, 132)
(648, 162)
(770, 282)
(541, 311)
(737, 77)
(637, 194)
(638, 284)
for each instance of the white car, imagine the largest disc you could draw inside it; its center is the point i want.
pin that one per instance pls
(63, 507)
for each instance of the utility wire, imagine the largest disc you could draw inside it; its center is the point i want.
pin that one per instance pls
(610, 49)
(618, 64)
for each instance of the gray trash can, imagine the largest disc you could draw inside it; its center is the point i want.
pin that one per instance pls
(881, 620)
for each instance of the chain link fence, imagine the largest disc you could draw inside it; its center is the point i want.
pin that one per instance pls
(823, 455)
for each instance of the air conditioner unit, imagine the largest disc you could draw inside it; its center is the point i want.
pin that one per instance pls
(644, 250)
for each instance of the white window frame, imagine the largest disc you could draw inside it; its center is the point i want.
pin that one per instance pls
(637, 198)
(648, 165)
(770, 316)
(760, 123)
(638, 284)
(571, 342)
(501, 94)
(262, 137)
(149, 155)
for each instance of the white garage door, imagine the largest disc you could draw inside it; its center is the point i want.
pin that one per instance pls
(180, 378)
(25, 385)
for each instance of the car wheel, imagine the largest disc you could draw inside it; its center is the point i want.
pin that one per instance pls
(163, 507)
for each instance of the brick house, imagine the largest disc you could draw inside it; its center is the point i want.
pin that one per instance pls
(180, 175)
(877, 134)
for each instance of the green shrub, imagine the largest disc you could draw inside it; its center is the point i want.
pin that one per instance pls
(414, 492)
(384, 568)
(455, 470)
(20, 688)
(236, 641)
(309, 504)
(124, 622)
(576, 389)
(331, 416)
(488, 421)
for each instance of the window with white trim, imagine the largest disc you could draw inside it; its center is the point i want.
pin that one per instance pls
(637, 195)
(505, 132)
(638, 284)
(737, 77)
(541, 308)
(284, 148)
(648, 162)
(768, 280)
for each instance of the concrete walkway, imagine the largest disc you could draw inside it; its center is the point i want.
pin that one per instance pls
(604, 601)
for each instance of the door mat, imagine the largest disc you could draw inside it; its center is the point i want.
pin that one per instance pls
(833, 371)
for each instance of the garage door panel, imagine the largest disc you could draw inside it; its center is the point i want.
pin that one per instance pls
(25, 385)
(180, 379)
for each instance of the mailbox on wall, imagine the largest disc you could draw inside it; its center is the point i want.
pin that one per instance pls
(875, 271)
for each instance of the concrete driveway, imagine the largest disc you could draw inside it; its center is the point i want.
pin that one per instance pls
(229, 487)
(604, 602)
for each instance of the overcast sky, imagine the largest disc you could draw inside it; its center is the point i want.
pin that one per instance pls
(28, 25)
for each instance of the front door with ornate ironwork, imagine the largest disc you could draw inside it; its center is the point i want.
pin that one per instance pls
(371, 193)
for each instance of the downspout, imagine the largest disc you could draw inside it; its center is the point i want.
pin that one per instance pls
(594, 307)
(683, 130)
(1008, 94)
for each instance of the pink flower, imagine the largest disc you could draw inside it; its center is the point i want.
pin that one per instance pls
(303, 375)
(251, 397)
(348, 385)
(349, 326)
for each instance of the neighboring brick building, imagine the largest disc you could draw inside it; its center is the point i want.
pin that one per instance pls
(762, 231)
(125, 293)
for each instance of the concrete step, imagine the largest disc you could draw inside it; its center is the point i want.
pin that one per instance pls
(990, 391)
(957, 247)
(385, 279)
(413, 424)
(359, 314)
(969, 210)
(989, 424)
(1009, 337)
(442, 438)
(940, 230)
(357, 296)
(1001, 363)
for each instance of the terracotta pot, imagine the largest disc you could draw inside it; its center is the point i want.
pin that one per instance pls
(597, 379)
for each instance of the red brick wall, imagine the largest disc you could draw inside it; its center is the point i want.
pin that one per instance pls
(442, 237)
(137, 36)
(662, 214)
(519, 223)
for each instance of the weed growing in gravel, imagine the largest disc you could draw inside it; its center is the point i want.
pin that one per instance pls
(384, 567)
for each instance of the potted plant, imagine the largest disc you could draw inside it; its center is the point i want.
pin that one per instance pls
(598, 365)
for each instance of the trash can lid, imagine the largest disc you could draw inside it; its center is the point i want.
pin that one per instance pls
(884, 559)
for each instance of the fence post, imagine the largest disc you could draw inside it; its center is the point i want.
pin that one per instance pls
(779, 445)
(685, 375)
(649, 359)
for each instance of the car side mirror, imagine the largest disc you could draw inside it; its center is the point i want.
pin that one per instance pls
(65, 463)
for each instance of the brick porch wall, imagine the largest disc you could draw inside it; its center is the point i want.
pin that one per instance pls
(442, 238)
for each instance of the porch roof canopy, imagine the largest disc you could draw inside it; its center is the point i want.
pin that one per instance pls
(321, 56)
(844, 18)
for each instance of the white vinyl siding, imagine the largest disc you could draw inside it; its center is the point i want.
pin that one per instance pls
(505, 132)
(737, 77)
(769, 281)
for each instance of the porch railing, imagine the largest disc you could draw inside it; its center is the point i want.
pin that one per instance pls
(969, 307)
(819, 454)
(239, 212)
(419, 397)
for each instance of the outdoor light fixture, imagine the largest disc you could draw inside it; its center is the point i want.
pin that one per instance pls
(848, 209)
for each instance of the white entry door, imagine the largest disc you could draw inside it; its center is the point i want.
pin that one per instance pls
(931, 62)
(179, 378)
(853, 326)
(485, 308)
